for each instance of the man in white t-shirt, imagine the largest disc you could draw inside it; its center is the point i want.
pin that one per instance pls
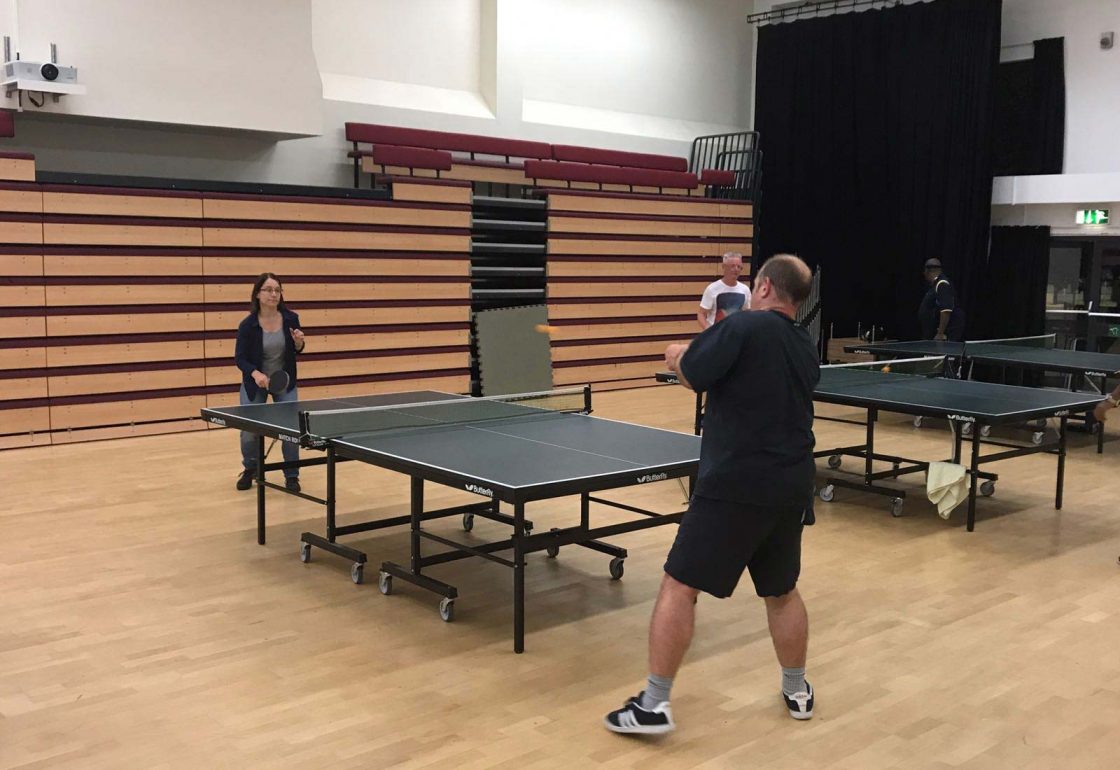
(726, 295)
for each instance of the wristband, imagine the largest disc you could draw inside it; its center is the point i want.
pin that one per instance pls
(1114, 401)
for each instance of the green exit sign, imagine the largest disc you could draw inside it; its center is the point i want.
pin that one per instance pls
(1092, 217)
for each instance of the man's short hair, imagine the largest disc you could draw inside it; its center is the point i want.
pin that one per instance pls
(933, 262)
(732, 255)
(791, 277)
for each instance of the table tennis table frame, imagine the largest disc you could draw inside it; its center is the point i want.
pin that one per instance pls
(956, 365)
(333, 531)
(522, 541)
(902, 466)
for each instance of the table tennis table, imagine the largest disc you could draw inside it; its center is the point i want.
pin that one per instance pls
(508, 449)
(1035, 353)
(918, 387)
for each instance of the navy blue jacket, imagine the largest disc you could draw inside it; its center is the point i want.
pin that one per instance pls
(249, 352)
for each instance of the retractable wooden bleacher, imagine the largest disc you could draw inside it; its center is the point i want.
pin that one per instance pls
(625, 275)
(119, 303)
(632, 238)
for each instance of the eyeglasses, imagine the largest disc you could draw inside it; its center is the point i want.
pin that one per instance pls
(268, 290)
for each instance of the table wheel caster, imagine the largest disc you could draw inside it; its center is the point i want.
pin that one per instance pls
(385, 583)
(834, 461)
(988, 488)
(617, 567)
(305, 552)
(468, 522)
(357, 573)
(447, 610)
(896, 506)
(827, 493)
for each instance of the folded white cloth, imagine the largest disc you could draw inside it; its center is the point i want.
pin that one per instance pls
(946, 486)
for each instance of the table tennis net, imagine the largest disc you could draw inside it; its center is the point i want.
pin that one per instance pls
(334, 423)
(1044, 341)
(879, 371)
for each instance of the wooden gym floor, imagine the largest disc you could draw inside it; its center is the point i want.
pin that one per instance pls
(142, 627)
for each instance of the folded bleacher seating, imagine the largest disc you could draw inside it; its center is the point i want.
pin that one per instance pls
(558, 171)
(573, 154)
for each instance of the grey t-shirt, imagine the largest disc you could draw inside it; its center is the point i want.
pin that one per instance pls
(273, 360)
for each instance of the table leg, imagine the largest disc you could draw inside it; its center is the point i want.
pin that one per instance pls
(1061, 462)
(330, 494)
(973, 471)
(518, 579)
(872, 416)
(416, 508)
(260, 490)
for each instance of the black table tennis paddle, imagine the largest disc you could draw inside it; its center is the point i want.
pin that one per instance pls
(278, 382)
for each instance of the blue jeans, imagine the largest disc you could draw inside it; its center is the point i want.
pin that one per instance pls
(249, 440)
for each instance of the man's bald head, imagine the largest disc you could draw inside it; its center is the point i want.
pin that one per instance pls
(789, 275)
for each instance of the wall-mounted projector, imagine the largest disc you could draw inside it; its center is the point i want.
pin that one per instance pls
(20, 76)
(48, 73)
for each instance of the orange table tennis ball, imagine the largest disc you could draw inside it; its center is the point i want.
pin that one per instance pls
(887, 368)
(545, 328)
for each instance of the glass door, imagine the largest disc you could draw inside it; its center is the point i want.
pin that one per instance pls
(1104, 315)
(1068, 292)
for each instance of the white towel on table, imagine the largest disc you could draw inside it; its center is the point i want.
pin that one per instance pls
(946, 486)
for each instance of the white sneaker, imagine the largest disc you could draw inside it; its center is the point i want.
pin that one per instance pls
(800, 704)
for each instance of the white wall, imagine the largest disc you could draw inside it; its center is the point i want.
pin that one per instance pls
(1092, 75)
(593, 64)
(246, 64)
(493, 67)
(1091, 177)
(391, 53)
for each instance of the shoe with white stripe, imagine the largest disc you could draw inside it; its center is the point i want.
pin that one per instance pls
(800, 704)
(634, 719)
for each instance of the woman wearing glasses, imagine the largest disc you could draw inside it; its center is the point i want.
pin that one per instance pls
(267, 342)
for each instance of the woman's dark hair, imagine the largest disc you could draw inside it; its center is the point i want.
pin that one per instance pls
(254, 298)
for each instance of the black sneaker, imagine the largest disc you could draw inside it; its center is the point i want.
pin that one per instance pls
(800, 704)
(634, 719)
(292, 484)
(245, 480)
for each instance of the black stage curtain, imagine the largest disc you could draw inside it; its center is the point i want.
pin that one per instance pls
(877, 128)
(1049, 105)
(1014, 299)
(1014, 149)
(1030, 115)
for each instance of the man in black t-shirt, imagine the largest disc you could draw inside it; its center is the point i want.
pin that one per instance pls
(755, 482)
(939, 315)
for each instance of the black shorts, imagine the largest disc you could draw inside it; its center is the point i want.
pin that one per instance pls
(718, 539)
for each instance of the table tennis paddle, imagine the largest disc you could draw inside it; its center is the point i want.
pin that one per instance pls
(278, 382)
